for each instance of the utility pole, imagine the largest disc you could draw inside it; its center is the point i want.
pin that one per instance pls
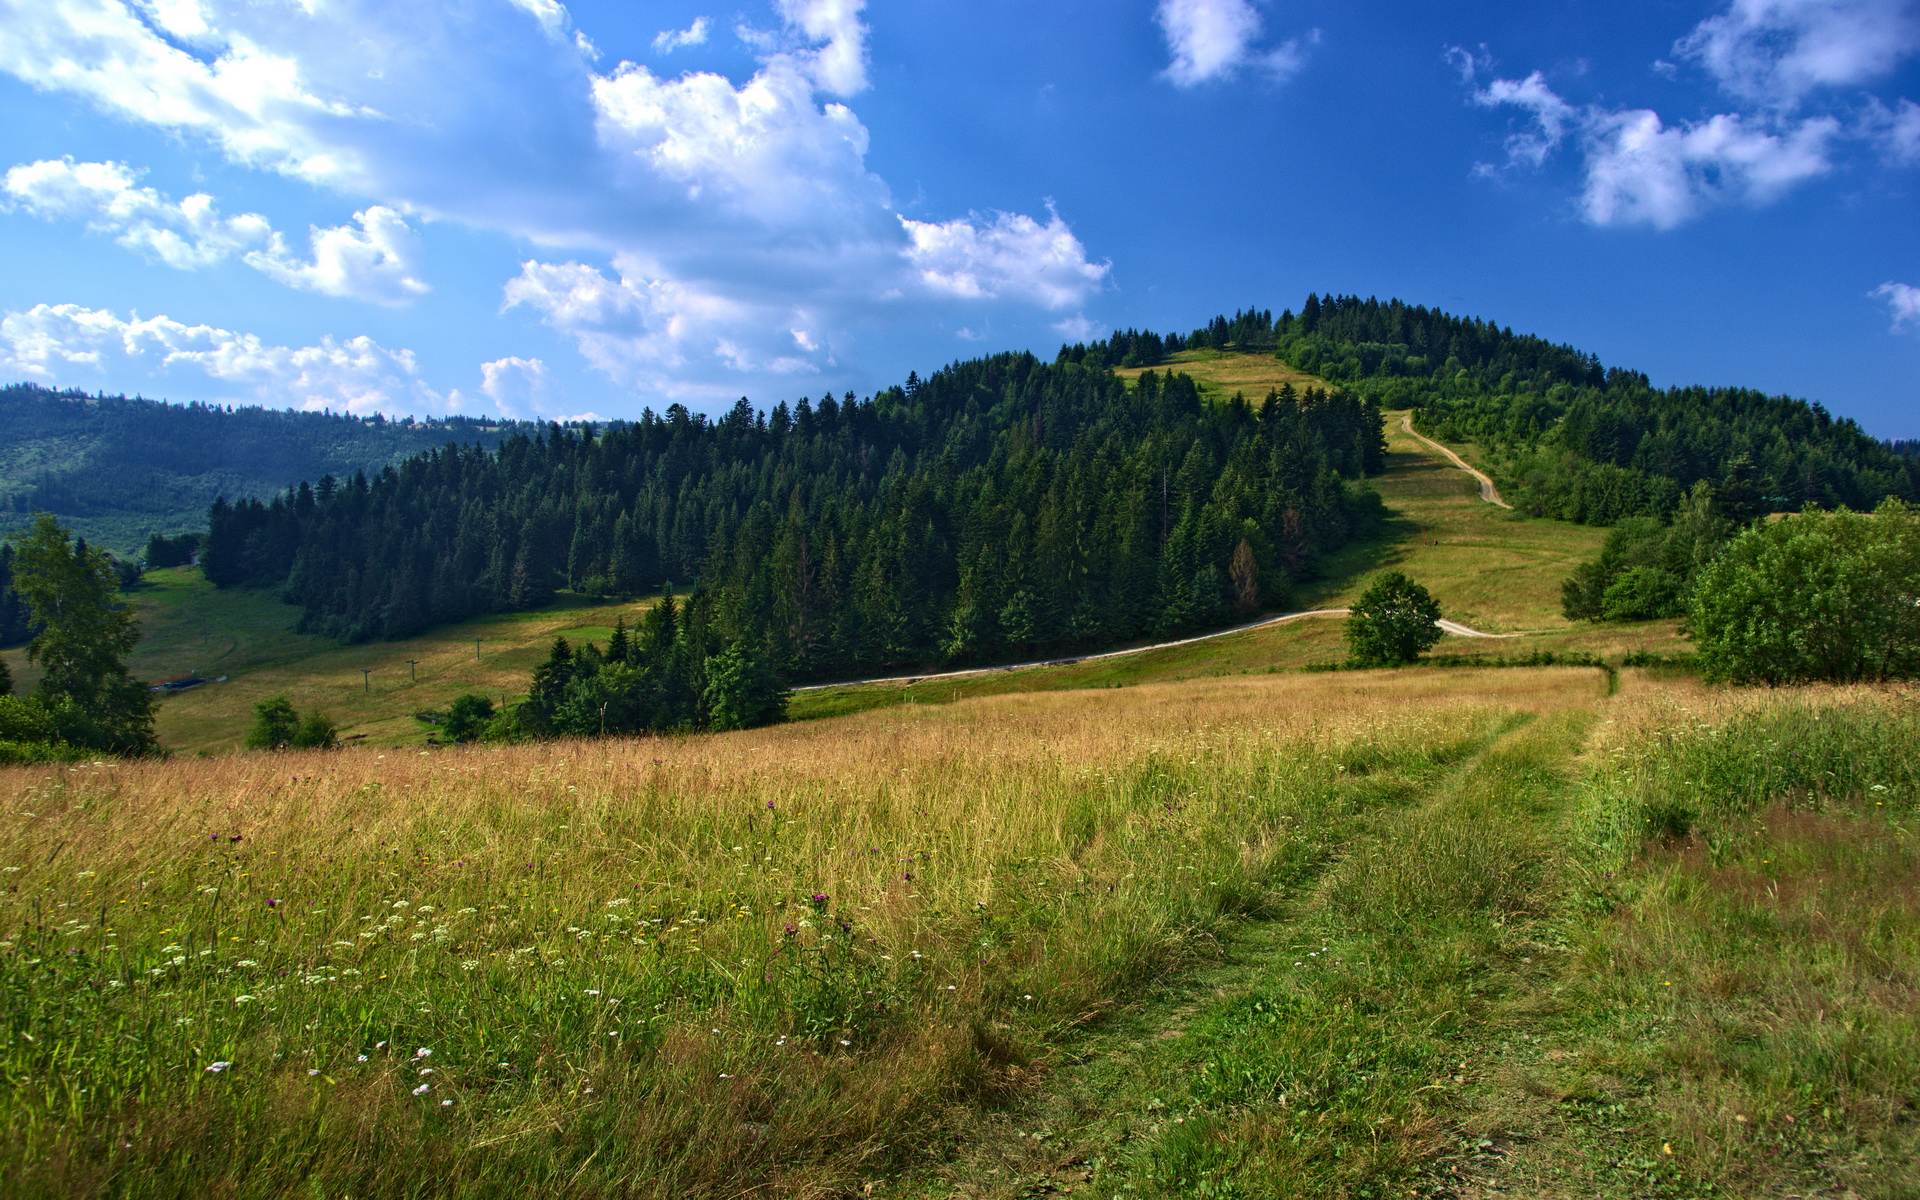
(366, 679)
(411, 672)
(476, 649)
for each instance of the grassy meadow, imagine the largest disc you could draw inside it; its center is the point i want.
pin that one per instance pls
(654, 967)
(1188, 923)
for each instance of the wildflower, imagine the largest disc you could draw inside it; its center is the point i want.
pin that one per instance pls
(820, 898)
(427, 1071)
(379, 1045)
(446, 1104)
(422, 1052)
(217, 1068)
(363, 1058)
(423, 1089)
(312, 1072)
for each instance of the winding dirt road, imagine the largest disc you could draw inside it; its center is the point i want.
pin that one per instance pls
(1488, 492)
(1452, 627)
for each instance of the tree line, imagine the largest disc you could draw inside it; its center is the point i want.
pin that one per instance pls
(1003, 506)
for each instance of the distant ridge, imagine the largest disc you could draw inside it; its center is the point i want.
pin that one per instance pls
(118, 468)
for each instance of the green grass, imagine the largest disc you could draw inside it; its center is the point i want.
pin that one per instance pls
(248, 636)
(610, 950)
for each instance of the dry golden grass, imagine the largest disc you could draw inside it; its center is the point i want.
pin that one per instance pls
(990, 875)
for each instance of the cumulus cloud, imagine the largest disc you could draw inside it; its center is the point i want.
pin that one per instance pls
(522, 389)
(1778, 51)
(669, 40)
(377, 261)
(54, 342)
(1641, 172)
(734, 225)
(1903, 301)
(108, 198)
(1214, 39)
(838, 57)
(1005, 255)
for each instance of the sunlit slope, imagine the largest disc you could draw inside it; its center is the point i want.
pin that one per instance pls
(247, 636)
(1491, 569)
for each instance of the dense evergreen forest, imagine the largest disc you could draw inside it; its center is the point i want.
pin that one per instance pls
(1002, 507)
(116, 469)
(15, 625)
(1577, 441)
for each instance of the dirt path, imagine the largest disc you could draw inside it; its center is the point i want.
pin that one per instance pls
(1488, 492)
(1177, 1087)
(1452, 627)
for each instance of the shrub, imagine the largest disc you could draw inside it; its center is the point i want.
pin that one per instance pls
(1831, 596)
(467, 718)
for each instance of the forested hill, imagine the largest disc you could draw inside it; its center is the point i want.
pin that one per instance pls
(1005, 506)
(1578, 441)
(117, 469)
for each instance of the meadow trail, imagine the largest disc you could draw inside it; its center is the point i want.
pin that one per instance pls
(1374, 990)
(1488, 491)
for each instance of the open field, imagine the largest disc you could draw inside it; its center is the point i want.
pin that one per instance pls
(247, 635)
(1370, 933)
(1490, 569)
(1221, 373)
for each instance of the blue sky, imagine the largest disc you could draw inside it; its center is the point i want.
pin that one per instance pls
(547, 210)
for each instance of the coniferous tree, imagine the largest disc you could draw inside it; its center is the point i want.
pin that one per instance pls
(72, 596)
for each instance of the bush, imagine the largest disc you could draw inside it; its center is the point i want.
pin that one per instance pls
(315, 733)
(1832, 596)
(1393, 624)
(467, 718)
(276, 726)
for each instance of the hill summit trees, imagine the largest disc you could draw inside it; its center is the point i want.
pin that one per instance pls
(1001, 507)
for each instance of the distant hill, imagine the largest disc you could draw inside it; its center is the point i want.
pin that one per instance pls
(117, 469)
(1568, 437)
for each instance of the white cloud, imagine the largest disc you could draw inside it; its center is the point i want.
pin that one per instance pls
(839, 64)
(106, 196)
(1778, 51)
(1007, 255)
(669, 40)
(54, 342)
(735, 227)
(1896, 131)
(378, 261)
(1552, 115)
(1641, 172)
(1903, 300)
(550, 13)
(1214, 39)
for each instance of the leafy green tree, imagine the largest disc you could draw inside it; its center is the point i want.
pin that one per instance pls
(6, 679)
(742, 692)
(71, 592)
(1393, 623)
(1831, 596)
(275, 724)
(316, 732)
(467, 718)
